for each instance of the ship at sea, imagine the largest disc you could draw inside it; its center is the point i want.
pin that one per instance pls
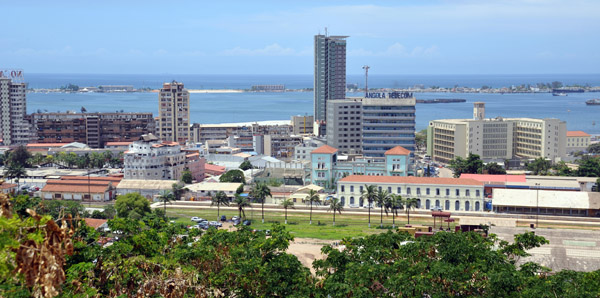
(593, 102)
(559, 94)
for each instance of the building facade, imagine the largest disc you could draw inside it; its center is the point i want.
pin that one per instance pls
(344, 128)
(94, 129)
(577, 141)
(327, 166)
(330, 74)
(302, 151)
(496, 139)
(303, 125)
(174, 113)
(387, 122)
(449, 194)
(151, 159)
(15, 129)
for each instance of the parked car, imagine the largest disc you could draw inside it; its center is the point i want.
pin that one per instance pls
(353, 206)
(223, 218)
(204, 225)
(235, 218)
(368, 206)
(247, 222)
(436, 208)
(215, 224)
(198, 219)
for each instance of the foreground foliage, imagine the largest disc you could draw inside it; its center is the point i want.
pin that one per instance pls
(61, 257)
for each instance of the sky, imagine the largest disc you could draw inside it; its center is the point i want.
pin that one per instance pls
(276, 37)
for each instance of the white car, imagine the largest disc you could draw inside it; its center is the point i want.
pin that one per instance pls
(368, 206)
(198, 219)
(353, 206)
(215, 224)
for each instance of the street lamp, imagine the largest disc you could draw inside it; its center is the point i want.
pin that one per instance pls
(537, 203)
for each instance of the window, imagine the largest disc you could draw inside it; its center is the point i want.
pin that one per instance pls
(343, 201)
(477, 193)
(389, 189)
(437, 191)
(458, 192)
(418, 191)
(361, 189)
(351, 188)
(379, 188)
(418, 203)
(342, 188)
(399, 190)
(467, 193)
(351, 200)
(427, 204)
(457, 205)
(408, 190)
(477, 206)
(427, 191)
(467, 205)
(447, 207)
(447, 191)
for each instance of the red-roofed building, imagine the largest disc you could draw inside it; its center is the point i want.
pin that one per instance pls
(398, 150)
(81, 188)
(96, 223)
(325, 149)
(577, 141)
(8, 188)
(214, 170)
(450, 194)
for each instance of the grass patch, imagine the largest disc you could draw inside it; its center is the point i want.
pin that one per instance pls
(346, 225)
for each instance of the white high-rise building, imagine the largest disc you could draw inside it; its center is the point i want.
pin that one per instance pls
(151, 159)
(15, 129)
(174, 113)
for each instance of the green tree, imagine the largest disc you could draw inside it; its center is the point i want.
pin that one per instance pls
(15, 171)
(246, 165)
(260, 193)
(594, 148)
(241, 203)
(589, 167)
(471, 165)
(410, 203)
(539, 166)
(240, 189)
(562, 169)
(393, 203)
(58, 209)
(335, 205)
(312, 198)
(132, 205)
(220, 198)
(186, 177)
(110, 211)
(380, 199)
(165, 196)
(236, 176)
(178, 190)
(369, 193)
(421, 139)
(493, 168)
(19, 157)
(286, 204)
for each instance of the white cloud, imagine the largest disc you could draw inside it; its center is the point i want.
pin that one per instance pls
(270, 50)
(396, 50)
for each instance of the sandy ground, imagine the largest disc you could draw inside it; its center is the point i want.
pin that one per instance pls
(307, 250)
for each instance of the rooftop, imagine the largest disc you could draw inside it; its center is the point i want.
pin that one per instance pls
(95, 222)
(577, 133)
(398, 150)
(410, 180)
(494, 178)
(325, 149)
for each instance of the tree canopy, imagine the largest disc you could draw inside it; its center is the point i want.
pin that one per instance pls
(132, 205)
(472, 165)
(246, 165)
(233, 176)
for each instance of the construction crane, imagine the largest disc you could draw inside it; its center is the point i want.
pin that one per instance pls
(366, 68)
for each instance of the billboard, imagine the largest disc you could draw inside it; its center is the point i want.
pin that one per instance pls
(14, 74)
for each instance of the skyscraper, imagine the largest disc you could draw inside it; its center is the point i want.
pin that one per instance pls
(15, 129)
(330, 75)
(174, 113)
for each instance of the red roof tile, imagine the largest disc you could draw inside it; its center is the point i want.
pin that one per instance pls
(118, 143)
(494, 178)
(398, 150)
(7, 185)
(94, 222)
(410, 180)
(325, 149)
(577, 133)
(46, 145)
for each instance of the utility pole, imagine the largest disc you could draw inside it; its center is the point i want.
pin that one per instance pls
(366, 68)
(537, 203)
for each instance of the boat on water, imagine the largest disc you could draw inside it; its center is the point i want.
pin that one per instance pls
(593, 102)
(559, 94)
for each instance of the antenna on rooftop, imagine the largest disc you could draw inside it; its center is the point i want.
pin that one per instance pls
(326, 32)
(366, 68)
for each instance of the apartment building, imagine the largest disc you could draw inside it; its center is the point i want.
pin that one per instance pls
(303, 125)
(14, 127)
(344, 128)
(577, 141)
(329, 75)
(94, 129)
(449, 194)
(174, 113)
(204, 132)
(496, 139)
(152, 159)
(302, 151)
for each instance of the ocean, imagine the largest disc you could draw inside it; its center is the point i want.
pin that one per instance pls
(248, 107)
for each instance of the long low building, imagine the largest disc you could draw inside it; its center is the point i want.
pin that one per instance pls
(451, 194)
(81, 188)
(549, 202)
(203, 191)
(147, 188)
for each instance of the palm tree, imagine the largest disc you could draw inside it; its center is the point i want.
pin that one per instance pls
(393, 204)
(241, 203)
(313, 198)
(287, 203)
(219, 199)
(15, 171)
(178, 189)
(410, 203)
(381, 198)
(165, 196)
(369, 194)
(260, 192)
(336, 206)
